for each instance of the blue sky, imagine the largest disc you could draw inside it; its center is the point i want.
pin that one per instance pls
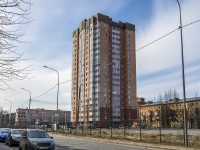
(158, 65)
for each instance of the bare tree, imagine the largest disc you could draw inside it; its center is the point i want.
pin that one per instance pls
(170, 94)
(196, 94)
(165, 97)
(160, 98)
(13, 14)
(175, 94)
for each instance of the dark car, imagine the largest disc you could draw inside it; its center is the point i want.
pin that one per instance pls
(34, 139)
(3, 134)
(13, 136)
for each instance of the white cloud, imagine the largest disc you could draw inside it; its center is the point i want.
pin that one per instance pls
(166, 53)
(51, 37)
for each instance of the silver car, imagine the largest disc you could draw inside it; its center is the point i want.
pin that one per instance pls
(34, 139)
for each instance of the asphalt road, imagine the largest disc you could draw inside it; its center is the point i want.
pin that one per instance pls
(64, 143)
(78, 144)
(5, 147)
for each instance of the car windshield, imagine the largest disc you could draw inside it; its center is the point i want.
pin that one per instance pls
(18, 132)
(37, 134)
(4, 131)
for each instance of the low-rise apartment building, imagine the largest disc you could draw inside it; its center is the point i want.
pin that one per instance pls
(169, 114)
(40, 116)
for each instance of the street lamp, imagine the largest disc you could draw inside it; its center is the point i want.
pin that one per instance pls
(183, 78)
(29, 105)
(10, 108)
(57, 94)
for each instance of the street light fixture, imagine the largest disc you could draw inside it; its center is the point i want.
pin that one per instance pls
(29, 105)
(57, 94)
(183, 78)
(10, 109)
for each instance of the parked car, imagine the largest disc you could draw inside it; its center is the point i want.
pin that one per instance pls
(35, 139)
(3, 133)
(13, 136)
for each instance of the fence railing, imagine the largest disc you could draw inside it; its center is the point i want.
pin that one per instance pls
(156, 135)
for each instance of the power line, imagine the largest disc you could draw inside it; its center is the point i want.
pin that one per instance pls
(65, 81)
(45, 92)
(158, 39)
(190, 23)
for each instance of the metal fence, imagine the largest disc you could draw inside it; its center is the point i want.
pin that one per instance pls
(156, 135)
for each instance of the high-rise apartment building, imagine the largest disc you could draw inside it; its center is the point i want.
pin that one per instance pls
(104, 73)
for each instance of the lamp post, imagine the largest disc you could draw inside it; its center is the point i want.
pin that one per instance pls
(29, 105)
(183, 80)
(10, 109)
(57, 95)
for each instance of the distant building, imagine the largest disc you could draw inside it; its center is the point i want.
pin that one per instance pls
(104, 72)
(40, 116)
(169, 114)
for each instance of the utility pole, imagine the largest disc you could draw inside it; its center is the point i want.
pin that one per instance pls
(29, 106)
(57, 114)
(183, 80)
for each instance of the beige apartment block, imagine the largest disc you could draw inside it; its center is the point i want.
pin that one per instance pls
(40, 117)
(104, 73)
(169, 114)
